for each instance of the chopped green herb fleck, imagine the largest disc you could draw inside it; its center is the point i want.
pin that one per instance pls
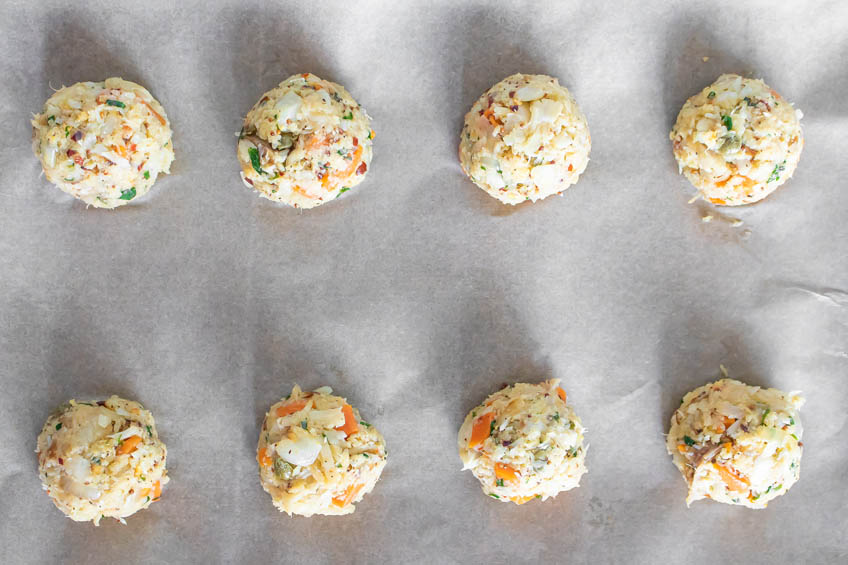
(492, 427)
(688, 440)
(67, 131)
(339, 465)
(538, 496)
(366, 424)
(127, 194)
(711, 94)
(499, 483)
(366, 455)
(494, 495)
(59, 426)
(254, 160)
(369, 135)
(348, 116)
(482, 167)
(796, 437)
(51, 119)
(750, 102)
(95, 460)
(147, 500)
(556, 416)
(149, 431)
(775, 174)
(147, 174)
(766, 413)
(791, 421)
(303, 424)
(727, 121)
(116, 103)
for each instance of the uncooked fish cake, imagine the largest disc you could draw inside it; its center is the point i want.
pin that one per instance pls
(317, 455)
(736, 443)
(101, 459)
(524, 442)
(737, 140)
(104, 143)
(305, 142)
(525, 139)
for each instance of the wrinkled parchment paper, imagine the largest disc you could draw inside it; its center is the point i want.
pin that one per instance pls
(417, 294)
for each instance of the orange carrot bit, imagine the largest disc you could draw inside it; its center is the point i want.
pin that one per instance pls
(287, 409)
(157, 490)
(128, 445)
(348, 496)
(718, 201)
(357, 157)
(120, 150)
(732, 478)
(300, 190)
(505, 472)
(728, 421)
(490, 115)
(263, 458)
(521, 499)
(681, 447)
(350, 426)
(316, 142)
(561, 393)
(155, 113)
(481, 429)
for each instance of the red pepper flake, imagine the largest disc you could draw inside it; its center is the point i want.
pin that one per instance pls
(362, 168)
(355, 142)
(570, 167)
(511, 93)
(71, 152)
(305, 75)
(514, 108)
(61, 461)
(250, 182)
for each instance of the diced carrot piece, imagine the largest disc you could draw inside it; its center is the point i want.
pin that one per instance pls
(728, 422)
(481, 429)
(128, 445)
(681, 447)
(263, 458)
(490, 115)
(357, 157)
(521, 499)
(316, 142)
(348, 496)
(350, 426)
(561, 393)
(155, 113)
(732, 478)
(717, 201)
(157, 490)
(287, 409)
(505, 472)
(302, 192)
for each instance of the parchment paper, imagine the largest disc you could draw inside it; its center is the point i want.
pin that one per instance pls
(417, 294)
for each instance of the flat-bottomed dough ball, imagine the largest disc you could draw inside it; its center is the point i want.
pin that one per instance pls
(737, 140)
(101, 460)
(103, 142)
(736, 443)
(525, 139)
(316, 455)
(524, 442)
(305, 142)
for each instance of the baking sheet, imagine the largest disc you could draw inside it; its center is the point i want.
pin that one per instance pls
(417, 295)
